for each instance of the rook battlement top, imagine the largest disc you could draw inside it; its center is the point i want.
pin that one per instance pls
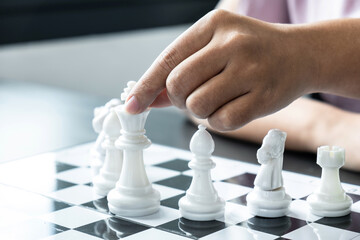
(330, 156)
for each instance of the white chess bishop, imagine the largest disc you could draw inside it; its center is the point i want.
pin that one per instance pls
(133, 194)
(269, 199)
(110, 171)
(201, 202)
(97, 153)
(330, 199)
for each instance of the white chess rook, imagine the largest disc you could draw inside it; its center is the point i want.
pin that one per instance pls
(134, 194)
(110, 171)
(330, 199)
(269, 199)
(201, 202)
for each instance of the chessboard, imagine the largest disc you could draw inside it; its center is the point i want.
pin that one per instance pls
(50, 196)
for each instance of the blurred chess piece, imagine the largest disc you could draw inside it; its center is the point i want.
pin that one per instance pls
(97, 153)
(110, 171)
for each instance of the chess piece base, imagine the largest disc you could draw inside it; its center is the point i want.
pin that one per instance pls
(325, 208)
(133, 205)
(103, 183)
(201, 211)
(270, 204)
(96, 162)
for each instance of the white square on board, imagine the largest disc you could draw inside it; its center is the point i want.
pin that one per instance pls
(313, 230)
(153, 233)
(80, 175)
(71, 235)
(167, 192)
(238, 232)
(74, 217)
(77, 195)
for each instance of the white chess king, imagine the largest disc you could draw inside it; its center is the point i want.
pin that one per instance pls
(133, 194)
(330, 199)
(269, 199)
(201, 202)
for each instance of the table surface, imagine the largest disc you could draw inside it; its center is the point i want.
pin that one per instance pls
(37, 118)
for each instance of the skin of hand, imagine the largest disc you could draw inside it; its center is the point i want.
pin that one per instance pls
(228, 69)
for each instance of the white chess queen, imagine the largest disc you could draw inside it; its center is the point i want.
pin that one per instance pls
(270, 156)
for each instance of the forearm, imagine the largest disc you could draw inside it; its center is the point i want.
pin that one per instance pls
(306, 122)
(333, 50)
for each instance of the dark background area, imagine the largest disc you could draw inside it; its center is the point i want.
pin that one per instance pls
(31, 20)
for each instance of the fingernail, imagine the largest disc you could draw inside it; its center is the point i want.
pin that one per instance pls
(132, 105)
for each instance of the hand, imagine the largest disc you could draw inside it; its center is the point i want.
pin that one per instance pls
(227, 68)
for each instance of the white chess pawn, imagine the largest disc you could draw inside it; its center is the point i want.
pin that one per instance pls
(269, 199)
(330, 199)
(201, 202)
(110, 171)
(97, 153)
(134, 194)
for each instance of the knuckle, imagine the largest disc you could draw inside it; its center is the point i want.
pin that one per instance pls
(168, 59)
(236, 39)
(222, 121)
(198, 106)
(226, 121)
(239, 43)
(175, 90)
(216, 16)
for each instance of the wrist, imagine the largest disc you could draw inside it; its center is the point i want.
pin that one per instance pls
(330, 51)
(301, 62)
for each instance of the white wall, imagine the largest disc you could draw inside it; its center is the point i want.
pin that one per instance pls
(98, 64)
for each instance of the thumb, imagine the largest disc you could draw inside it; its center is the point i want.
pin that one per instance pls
(162, 100)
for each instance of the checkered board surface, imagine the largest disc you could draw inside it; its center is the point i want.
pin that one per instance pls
(50, 196)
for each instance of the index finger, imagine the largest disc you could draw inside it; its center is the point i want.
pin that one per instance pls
(153, 81)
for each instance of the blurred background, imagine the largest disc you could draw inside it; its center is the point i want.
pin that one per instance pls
(61, 58)
(92, 46)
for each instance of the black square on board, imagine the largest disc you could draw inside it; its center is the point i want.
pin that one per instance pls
(180, 165)
(112, 228)
(349, 222)
(354, 197)
(192, 229)
(239, 200)
(246, 179)
(60, 167)
(275, 226)
(100, 205)
(60, 184)
(179, 182)
(172, 202)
